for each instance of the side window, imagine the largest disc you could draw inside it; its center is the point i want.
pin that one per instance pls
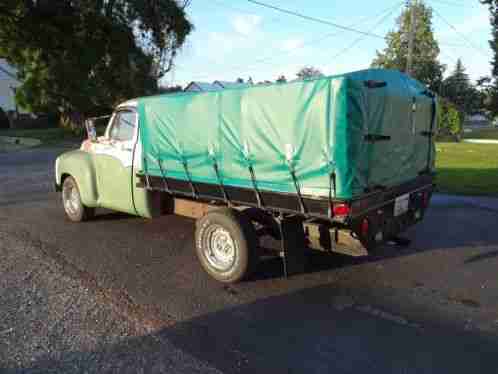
(123, 126)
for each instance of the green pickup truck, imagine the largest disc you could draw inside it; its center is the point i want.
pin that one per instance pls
(338, 164)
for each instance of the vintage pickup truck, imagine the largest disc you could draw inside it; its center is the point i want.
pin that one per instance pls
(339, 164)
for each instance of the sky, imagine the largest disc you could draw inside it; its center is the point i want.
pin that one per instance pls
(235, 38)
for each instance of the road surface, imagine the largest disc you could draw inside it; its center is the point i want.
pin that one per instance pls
(428, 308)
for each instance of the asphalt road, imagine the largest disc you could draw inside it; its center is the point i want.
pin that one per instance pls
(428, 308)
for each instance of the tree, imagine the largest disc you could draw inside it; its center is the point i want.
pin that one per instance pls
(449, 121)
(281, 79)
(426, 66)
(169, 89)
(83, 56)
(492, 86)
(458, 89)
(309, 72)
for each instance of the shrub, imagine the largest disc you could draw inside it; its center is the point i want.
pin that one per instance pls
(449, 121)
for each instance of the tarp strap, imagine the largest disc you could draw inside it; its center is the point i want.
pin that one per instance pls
(376, 138)
(433, 119)
(332, 187)
(220, 182)
(375, 84)
(255, 186)
(146, 170)
(298, 188)
(163, 174)
(430, 134)
(189, 177)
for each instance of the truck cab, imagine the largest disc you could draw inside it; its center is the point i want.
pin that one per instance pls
(102, 173)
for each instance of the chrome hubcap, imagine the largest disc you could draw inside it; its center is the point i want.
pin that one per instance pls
(71, 200)
(220, 248)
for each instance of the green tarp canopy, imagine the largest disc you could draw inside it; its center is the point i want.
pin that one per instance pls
(368, 128)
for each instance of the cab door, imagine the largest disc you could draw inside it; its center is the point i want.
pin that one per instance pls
(114, 162)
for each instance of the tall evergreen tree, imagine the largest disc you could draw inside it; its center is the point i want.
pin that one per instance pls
(426, 66)
(459, 90)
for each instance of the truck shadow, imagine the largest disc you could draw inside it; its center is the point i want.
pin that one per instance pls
(445, 228)
(317, 330)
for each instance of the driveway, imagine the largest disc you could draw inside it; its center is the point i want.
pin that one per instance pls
(432, 307)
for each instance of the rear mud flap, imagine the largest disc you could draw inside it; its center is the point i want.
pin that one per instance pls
(342, 241)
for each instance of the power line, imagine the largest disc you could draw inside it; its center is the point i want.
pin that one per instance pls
(315, 19)
(359, 39)
(320, 20)
(469, 42)
(390, 10)
(222, 4)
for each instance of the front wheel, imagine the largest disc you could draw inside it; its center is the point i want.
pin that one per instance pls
(73, 206)
(226, 245)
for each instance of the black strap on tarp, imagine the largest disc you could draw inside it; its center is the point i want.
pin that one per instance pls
(377, 138)
(146, 171)
(298, 188)
(332, 187)
(430, 134)
(255, 186)
(375, 84)
(163, 174)
(220, 182)
(433, 120)
(189, 177)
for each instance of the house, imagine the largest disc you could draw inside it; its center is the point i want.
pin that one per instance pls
(476, 121)
(215, 86)
(8, 84)
(201, 87)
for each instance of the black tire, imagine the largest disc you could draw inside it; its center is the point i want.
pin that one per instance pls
(74, 209)
(236, 229)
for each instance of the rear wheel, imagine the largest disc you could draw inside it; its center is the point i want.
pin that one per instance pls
(226, 245)
(73, 206)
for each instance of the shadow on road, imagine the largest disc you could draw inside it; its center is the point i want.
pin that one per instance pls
(309, 331)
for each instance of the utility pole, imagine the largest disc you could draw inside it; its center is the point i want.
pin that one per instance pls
(411, 37)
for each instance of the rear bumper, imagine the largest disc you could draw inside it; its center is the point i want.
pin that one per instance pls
(384, 223)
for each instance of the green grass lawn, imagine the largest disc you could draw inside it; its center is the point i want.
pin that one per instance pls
(468, 169)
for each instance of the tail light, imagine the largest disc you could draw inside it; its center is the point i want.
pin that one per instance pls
(425, 198)
(341, 210)
(365, 228)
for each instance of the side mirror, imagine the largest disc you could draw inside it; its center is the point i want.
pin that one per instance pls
(90, 129)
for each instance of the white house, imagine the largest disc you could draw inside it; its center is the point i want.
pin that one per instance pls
(8, 83)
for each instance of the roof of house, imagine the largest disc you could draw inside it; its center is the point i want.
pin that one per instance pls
(201, 86)
(215, 86)
(7, 71)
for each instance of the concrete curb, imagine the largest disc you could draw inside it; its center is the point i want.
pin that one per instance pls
(480, 141)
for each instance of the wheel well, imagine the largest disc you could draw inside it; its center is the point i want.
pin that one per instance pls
(63, 178)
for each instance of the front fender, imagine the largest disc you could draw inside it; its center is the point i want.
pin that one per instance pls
(81, 166)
